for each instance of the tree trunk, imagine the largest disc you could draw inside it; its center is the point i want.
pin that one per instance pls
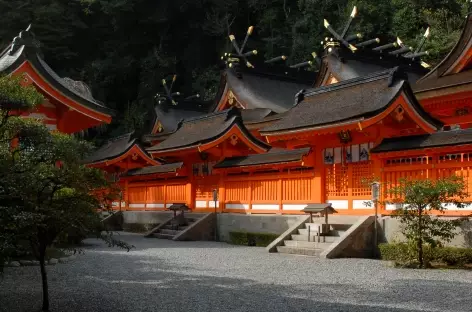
(44, 278)
(420, 238)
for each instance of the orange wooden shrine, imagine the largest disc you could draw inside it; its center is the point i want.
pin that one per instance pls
(278, 138)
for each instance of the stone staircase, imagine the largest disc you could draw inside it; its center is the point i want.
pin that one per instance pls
(307, 241)
(166, 231)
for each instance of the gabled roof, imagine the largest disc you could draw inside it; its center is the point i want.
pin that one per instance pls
(194, 132)
(349, 101)
(438, 139)
(255, 115)
(167, 168)
(116, 148)
(264, 87)
(343, 64)
(453, 64)
(275, 156)
(26, 48)
(171, 117)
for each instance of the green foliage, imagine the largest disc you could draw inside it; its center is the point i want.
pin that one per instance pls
(403, 253)
(418, 200)
(15, 95)
(45, 188)
(252, 239)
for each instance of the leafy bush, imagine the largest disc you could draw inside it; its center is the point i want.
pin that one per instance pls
(403, 253)
(453, 255)
(252, 239)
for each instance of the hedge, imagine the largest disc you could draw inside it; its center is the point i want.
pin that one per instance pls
(402, 253)
(252, 239)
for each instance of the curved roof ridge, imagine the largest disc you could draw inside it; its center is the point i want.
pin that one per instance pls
(436, 69)
(353, 82)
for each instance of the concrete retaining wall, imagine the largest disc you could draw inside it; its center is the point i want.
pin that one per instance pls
(392, 230)
(275, 224)
(202, 230)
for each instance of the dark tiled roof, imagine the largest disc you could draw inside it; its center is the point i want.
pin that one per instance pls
(275, 156)
(345, 65)
(113, 148)
(258, 89)
(26, 48)
(255, 114)
(148, 138)
(204, 129)
(171, 117)
(167, 168)
(438, 139)
(443, 82)
(346, 101)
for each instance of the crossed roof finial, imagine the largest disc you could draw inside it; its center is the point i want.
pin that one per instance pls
(171, 96)
(342, 37)
(240, 54)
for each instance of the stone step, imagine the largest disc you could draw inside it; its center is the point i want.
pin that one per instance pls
(299, 251)
(305, 232)
(163, 236)
(314, 238)
(339, 227)
(302, 244)
(170, 227)
(169, 232)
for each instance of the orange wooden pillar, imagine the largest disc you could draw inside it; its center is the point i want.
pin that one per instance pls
(221, 193)
(190, 192)
(319, 194)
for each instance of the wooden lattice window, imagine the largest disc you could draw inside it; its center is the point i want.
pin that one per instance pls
(459, 157)
(407, 161)
(361, 174)
(336, 180)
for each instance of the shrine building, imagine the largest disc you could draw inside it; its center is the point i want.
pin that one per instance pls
(68, 105)
(277, 138)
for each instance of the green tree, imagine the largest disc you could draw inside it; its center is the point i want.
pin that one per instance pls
(45, 189)
(417, 200)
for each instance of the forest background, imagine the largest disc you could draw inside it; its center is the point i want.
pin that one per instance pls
(123, 48)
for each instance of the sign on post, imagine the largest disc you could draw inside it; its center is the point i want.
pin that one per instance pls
(375, 192)
(215, 195)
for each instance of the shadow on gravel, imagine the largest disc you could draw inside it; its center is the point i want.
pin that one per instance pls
(121, 282)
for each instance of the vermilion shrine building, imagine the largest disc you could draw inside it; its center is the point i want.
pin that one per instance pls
(278, 138)
(69, 106)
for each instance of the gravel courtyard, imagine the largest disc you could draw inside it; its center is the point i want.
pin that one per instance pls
(161, 275)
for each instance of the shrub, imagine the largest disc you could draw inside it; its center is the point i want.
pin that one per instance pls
(403, 253)
(252, 239)
(453, 255)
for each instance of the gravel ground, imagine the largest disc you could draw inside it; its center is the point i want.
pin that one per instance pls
(160, 275)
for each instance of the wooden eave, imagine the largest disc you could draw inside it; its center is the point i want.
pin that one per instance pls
(135, 149)
(353, 124)
(153, 176)
(40, 82)
(429, 151)
(253, 143)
